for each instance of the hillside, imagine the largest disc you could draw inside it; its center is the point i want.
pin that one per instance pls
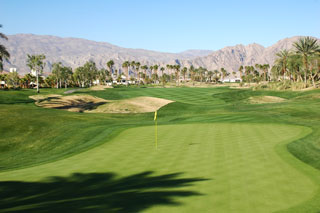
(75, 52)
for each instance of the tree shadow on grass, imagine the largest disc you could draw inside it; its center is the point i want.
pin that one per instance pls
(94, 192)
(81, 105)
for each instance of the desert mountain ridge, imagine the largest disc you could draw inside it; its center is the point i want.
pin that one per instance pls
(75, 52)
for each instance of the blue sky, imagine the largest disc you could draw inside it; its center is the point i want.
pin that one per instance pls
(164, 25)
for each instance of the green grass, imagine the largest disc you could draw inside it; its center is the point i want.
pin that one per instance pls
(216, 153)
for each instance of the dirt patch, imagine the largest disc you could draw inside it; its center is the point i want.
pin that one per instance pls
(100, 87)
(87, 103)
(73, 103)
(133, 105)
(265, 99)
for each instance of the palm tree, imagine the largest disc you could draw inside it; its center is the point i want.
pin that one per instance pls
(282, 60)
(27, 79)
(177, 73)
(240, 71)
(184, 72)
(57, 73)
(234, 74)
(210, 74)
(314, 68)
(4, 54)
(110, 64)
(202, 72)
(216, 75)
(137, 66)
(192, 73)
(306, 46)
(224, 73)
(125, 66)
(155, 69)
(145, 68)
(35, 62)
(294, 64)
(162, 70)
(258, 67)
(133, 66)
(265, 69)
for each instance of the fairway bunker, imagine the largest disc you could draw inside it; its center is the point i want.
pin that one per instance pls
(88, 103)
(265, 99)
(133, 105)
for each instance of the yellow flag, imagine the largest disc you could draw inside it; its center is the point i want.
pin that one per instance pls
(155, 115)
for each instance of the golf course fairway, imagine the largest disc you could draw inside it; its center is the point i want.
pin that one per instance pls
(207, 167)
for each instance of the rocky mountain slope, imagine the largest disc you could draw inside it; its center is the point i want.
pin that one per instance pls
(232, 57)
(75, 52)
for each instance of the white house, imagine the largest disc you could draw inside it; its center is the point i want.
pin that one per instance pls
(13, 69)
(232, 80)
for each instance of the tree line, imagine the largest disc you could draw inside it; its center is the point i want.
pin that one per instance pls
(301, 64)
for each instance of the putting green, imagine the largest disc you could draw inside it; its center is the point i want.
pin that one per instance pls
(245, 166)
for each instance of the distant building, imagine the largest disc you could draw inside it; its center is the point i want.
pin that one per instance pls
(232, 80)
(13, 69)
(33, 73)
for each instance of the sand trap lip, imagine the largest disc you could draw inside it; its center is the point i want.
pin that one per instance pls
(133, 105)
(265, 99)
(88, 103)
(100, 87)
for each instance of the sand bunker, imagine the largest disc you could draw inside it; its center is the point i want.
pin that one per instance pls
(87, 103)
(100, 87)
(265, 99)
(73, 103)
(133, 105)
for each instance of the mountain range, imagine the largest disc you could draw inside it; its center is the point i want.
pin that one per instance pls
(75, 52)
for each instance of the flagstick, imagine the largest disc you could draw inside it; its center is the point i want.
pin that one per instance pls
(156, 134)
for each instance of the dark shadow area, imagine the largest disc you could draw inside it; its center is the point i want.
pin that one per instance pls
(94, 192)
(83, 105)
(48, 99)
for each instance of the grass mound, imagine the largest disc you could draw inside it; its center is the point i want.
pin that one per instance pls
(265, 99)
(133, 105)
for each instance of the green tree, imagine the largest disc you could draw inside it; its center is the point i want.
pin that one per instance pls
(240, 71)
(282, 61)
(265, 68)
(66, 75)
(137, 66)
(13, 79)
(306, 46)
(90, 72)
(155, 70)
(177, 72)
(57, 73)
(125, 66)
(80, 76)
(294, 65)
(192, 73)
(110, 65)
(145, 68)
(4, 54)
(224, 73)
(27, 79)
(184, 72)
(36, 63)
